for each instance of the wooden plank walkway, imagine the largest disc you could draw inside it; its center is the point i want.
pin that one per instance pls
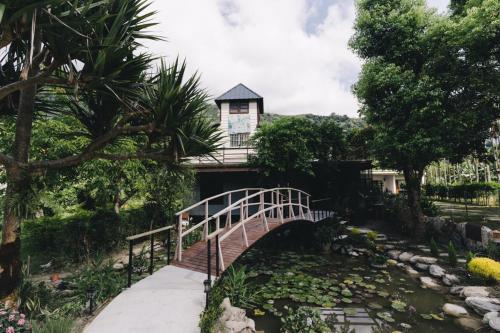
(195, 257)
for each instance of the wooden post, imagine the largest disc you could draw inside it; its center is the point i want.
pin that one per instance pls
(205, 227)
(301, 211)
(245, 238)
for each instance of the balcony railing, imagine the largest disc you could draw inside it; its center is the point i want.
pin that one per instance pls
(226, 156)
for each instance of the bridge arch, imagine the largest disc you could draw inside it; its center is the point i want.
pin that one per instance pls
(245, 217)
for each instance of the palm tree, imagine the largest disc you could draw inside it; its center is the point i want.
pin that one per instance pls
(83, 62)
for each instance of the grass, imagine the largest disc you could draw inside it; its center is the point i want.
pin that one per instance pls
(459, 212)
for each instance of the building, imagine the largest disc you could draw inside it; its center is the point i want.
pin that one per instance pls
(240, 110)
(239, 116)
(388, 180)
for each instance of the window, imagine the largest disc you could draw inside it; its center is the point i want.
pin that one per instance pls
(239, 139)
(238, 107)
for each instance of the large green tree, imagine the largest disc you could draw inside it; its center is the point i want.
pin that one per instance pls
(86, 54)
(429, 84)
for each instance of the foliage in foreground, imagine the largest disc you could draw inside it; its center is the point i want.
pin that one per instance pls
(234, 285)
(303, 319)
(13, 321)
(54, 325)
(485, 267)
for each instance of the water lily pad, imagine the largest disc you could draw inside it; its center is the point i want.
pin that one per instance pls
(375, 306)
(346, 300)
(399, 306)
(383, 294)
(385, 316)
(346, 293)
(258, 312)
(426, 316)
(437, 317)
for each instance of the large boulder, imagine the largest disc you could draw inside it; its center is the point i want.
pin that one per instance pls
(436, 271)
(483, 305)
(454, 310)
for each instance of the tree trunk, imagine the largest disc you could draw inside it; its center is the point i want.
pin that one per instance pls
(17, 186)
(413, 181)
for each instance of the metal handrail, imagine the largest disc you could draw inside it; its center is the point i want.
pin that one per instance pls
(151, 234)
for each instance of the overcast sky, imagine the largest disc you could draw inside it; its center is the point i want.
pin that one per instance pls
(292, 52)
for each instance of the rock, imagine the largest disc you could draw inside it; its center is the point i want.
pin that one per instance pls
(391, 262)
(495, 323)
(475, 291)
(422, 267)
(469, 323)
(118, 266)
(247, 326)
(450, 279)
(430, 283)
(455, 290)
(401, 265)
(234, 320)
(405, 256)
(436, 271)
(411, 271)
(454, 310)
(423, 260)
(490, 315)
(483, 305)
(393, 254)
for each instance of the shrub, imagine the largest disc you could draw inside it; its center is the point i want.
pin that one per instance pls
(452, 254)
(485, 267)
(54, 325)
(470, 256)
(13, 321)
(434, 248)
(372, 235)
(100, 275)
(236, 287)
(213, 311)
(83, 233)
(428, 207)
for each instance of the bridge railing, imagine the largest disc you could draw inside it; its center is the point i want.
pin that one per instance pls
(256, 202)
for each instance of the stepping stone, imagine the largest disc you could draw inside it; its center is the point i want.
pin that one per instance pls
(405, 256)
(454, 310)
(483, 305)
(430, 283)
(436, 271)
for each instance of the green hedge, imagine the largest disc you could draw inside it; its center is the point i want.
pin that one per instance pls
(481, 192)
(83, 233)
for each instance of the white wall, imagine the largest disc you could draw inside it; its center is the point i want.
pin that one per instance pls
(224, 120)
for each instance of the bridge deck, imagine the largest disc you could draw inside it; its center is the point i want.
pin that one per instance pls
(195, 257)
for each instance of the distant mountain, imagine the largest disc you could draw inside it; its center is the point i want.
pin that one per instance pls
(345, 122)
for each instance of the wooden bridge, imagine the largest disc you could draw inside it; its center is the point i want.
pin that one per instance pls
(239, 219)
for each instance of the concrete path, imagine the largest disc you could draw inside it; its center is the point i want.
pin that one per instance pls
(169, 301)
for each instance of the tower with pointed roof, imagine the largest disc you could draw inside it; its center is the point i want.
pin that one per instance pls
(239, 110)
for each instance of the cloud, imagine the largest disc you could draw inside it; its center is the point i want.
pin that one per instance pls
(292, 52)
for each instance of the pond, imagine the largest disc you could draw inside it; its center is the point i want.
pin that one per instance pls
(328, 280)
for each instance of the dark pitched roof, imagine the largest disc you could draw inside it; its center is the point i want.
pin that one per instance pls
(241, 92)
